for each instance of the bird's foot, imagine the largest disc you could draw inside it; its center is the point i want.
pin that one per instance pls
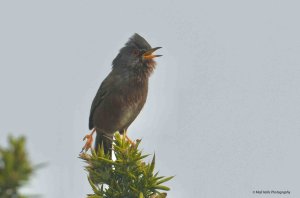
(130, 141)
(133, 143)
(89, 141)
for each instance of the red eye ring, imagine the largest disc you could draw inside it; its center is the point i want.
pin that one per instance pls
(136, 52)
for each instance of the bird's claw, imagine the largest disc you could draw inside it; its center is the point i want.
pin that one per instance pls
(89, 141)
(130, 141)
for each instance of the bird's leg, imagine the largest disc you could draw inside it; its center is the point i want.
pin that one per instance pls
(127, 138)
(89, 141)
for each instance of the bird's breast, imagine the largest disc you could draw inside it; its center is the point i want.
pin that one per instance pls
(130, 102)
(121, 107)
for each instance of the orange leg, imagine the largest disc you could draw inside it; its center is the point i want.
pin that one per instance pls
(129, 140)
(89, 141)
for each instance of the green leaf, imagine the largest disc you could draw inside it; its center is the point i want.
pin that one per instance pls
(94, 196)
(141, 195)
(152, 164)
(107, 160)
(94, 187)
(164, 180)
(160, 187)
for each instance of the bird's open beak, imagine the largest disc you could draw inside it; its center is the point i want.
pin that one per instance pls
(148, 54)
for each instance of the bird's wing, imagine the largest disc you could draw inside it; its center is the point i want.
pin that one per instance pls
(101, 94)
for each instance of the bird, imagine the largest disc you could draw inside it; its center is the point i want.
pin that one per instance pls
(122, 94)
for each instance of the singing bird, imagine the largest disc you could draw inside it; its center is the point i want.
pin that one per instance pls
(123, 93)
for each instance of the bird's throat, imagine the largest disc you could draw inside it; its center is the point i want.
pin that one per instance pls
(149, 67)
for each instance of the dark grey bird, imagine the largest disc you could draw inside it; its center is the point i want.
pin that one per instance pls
(123, 93)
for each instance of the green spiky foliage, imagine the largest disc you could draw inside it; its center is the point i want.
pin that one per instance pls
(126, 177)
(15, 167)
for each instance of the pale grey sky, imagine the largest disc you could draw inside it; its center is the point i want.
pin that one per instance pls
(223, 107)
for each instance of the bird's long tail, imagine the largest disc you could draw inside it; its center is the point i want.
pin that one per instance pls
(105, 139)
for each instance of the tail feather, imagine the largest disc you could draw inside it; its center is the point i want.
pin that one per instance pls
(105, 139)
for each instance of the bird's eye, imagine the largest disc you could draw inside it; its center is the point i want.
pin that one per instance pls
(135, 52)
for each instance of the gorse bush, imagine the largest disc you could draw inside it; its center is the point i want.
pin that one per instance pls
(15, 168)
(126, 177)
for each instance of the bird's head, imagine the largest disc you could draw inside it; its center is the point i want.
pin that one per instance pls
(137, 55)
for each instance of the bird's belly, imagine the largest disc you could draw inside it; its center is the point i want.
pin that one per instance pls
(129, 114)
(116, 117)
